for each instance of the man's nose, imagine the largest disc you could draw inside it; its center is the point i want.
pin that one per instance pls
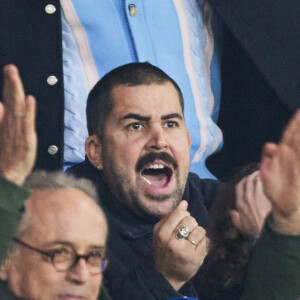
(157, 138)
(79, 273)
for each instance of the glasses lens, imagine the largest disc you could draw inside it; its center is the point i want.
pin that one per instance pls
(94, 262)
(63, 258)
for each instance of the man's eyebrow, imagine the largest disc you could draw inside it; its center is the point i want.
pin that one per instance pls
(62, 243)
(146, 118)
(172, 116)
(136, 117)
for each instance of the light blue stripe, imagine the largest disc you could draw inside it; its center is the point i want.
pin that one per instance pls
(76, 91)
(109, 39)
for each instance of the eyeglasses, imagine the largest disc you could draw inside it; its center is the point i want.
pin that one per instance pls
(66, 257)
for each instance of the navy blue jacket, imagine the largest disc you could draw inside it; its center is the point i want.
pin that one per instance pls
(131, 273)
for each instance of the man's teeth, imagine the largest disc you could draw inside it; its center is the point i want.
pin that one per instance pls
(147, 180)
(156, 166)
(153, 167)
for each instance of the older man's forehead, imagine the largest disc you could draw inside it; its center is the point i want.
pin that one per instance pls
(65, 214)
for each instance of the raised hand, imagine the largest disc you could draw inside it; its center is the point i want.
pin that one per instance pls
(280, 172)
(18, 140)
(176, 257)
(252, 206)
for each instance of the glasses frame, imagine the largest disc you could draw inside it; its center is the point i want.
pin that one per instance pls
(51, 256)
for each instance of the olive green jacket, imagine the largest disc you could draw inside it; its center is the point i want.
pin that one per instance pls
(12, 199)
(274, 269)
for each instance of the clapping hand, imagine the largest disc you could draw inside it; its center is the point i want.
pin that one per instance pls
(252, 206)
(18, 139)
(280, 173)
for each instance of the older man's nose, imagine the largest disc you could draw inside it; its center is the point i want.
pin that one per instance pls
(79, 273)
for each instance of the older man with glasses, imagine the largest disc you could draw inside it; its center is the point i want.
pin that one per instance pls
(56, 241)
(59, 248)
(63, 260)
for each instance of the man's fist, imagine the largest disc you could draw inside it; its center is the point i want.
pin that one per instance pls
(176, 257)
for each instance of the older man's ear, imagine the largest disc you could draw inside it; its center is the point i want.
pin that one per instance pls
(93, 150)
(4, 270)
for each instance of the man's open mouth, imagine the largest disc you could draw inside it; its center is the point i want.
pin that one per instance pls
(157, 174)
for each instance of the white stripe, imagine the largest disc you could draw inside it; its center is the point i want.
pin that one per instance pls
(179, 5)
(82, 42)
(208, 53)
(208, 50)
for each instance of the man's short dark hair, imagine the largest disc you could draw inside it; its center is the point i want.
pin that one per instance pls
(99, 104)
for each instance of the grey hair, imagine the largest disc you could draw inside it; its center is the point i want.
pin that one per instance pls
(41, 180)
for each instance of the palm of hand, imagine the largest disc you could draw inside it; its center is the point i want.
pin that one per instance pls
(280, 171)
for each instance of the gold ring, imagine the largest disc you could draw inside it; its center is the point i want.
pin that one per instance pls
(193, 242)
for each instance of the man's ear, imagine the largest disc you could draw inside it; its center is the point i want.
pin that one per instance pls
(93, 150)
(4, 270)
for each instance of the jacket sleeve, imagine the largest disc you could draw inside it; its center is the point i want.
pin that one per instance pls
(274, 269)
(12, 199)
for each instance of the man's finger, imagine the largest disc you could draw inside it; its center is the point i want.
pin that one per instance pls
(251, 191)
(291, 130)
(182, 205)
(172, 220)
(197, 235)
(269, 150)
(13, 91)
(235, 218)
(202, 247)
(30, 114)
(1, 111)
(240, 193)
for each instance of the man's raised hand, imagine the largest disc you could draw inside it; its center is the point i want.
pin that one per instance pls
(18, 139)
(280, 172)
(252, 206)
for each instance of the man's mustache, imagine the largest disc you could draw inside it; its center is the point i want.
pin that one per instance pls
(151, 157)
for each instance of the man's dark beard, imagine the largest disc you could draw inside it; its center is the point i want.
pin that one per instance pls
(145, 214)
(114, 182)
